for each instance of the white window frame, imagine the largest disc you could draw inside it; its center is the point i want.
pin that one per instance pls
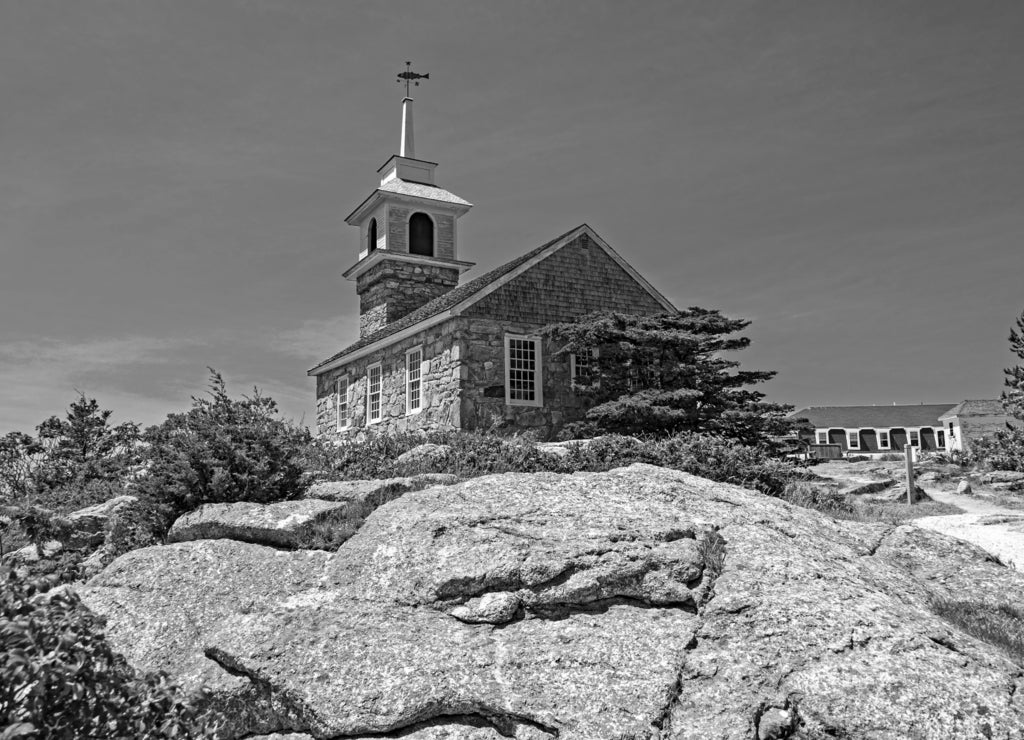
(347, 421)
(409, 380)
(821, 436)
(936, 431)
(573, 369)
(538, 382)
(853, 439)
(370, 394)
(887, 437)
(910, 437)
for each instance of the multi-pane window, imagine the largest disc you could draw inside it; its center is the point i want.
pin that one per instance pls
(940, 439)
(582, 367)
(883, 439)
(373, 404)
(413, 380)
(914, 437)
(853, 439)
(343, 402)
(522, 371)
(821, 436)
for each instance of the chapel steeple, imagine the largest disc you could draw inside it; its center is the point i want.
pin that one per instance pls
(408, 237)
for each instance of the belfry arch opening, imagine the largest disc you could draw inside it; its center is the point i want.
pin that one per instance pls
(371, 236)
(421, 235)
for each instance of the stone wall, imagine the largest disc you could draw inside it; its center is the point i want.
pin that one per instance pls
(464, 386)
(439, 389)
(483, 382)
(392, 289)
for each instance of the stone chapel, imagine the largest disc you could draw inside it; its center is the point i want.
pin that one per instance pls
(434, 351)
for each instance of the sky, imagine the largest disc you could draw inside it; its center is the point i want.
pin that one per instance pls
(174, 178)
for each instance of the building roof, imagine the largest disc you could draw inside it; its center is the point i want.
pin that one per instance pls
(883, 417)
(442, 303)
(977, 407)
(420, 190)
(474, 289)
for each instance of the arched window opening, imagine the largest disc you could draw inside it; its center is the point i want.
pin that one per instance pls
(421, 235)
(371, 236)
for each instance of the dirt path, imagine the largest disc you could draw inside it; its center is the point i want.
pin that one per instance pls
(996, 529)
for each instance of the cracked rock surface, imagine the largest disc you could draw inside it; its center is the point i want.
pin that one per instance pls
(286, 524)
(578, 606)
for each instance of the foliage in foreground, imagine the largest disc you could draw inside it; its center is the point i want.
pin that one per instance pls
(666, 374)
(60, 678)
(223, 450)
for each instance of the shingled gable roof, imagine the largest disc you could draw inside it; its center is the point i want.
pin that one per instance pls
(475, 289)
(882, 417)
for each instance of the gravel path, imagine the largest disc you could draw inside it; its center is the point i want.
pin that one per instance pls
(996, 529)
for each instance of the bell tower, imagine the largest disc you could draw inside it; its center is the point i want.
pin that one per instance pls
(408, 235)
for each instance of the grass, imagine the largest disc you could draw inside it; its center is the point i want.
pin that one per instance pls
(712, 553)
(332, 531)
(827, 498)
(892, 513)
(1001, 625)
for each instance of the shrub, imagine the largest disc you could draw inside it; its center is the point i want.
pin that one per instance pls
(823, 497)
(1003, 451)
(223, 450)
(728, 461)
(60, 678)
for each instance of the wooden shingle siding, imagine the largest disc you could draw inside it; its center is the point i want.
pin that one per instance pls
(571, 282)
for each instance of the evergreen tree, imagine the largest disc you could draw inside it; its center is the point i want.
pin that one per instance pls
(666, 373)
(84, 446)
(1013, 399)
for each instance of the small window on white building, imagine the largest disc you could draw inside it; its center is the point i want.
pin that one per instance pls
(853, 439)
(344, 402)
(940, 439)
(522, 371)
(884, 442)
(914, 437)
(413, 380)
(373, 400)
(821, 436)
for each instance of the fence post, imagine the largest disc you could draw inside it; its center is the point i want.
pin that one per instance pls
(909, 452)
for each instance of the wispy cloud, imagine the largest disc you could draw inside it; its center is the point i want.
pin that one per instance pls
(41, 376)
(318, 338)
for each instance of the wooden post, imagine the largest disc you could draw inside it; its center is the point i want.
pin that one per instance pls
(909, 452)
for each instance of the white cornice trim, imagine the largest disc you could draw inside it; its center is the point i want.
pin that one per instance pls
(380, 196)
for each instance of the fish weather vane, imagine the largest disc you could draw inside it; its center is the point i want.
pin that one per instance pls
(409, 76)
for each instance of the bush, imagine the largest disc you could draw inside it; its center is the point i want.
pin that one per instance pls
(1002, 451)
(223, 450)
(473, 453)
(823, 497)
(60, 678)
(727, 461)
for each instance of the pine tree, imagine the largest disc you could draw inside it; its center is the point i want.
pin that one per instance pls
(666, 373)
(84, 446)
(1013, 399)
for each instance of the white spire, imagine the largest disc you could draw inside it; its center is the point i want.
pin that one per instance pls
(408, 148)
